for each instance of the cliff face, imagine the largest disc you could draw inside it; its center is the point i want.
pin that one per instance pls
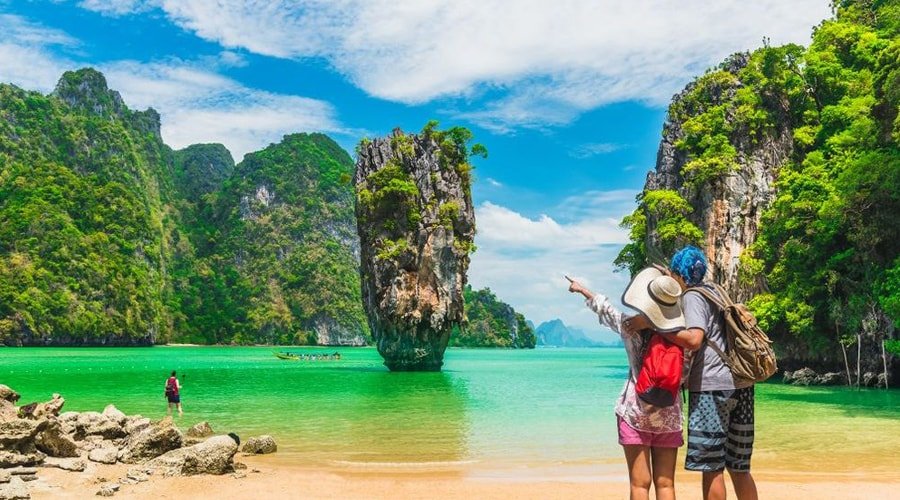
(416, 225)
(727, 208)
(83, 256)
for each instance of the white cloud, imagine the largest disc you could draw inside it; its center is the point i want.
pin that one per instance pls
(494, 182)
(524, 259)
(117, 7)
(196, 103)
(595, 149)
(548, 61)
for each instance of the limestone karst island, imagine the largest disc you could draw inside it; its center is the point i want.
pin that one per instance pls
(454, 250)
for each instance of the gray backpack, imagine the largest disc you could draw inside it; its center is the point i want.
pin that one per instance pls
(749, 351)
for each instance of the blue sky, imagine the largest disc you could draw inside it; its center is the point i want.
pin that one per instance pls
(568, 96)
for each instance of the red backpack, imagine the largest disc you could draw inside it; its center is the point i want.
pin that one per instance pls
(660, 375)
(171, 387)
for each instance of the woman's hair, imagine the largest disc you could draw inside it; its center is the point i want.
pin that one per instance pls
(690, 264)
(173, 373)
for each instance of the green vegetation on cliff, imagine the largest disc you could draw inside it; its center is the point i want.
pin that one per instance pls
(109, 237)
(828, 246)
(491, 323)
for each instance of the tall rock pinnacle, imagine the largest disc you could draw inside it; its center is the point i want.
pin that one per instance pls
(416, 226)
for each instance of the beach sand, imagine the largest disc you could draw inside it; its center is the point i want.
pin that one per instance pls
(267, 479)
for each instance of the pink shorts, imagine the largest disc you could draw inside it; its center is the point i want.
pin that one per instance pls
(628, 435)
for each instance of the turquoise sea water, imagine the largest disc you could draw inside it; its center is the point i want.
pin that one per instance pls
(488, 409)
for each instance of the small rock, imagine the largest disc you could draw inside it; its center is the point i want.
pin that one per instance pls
(15, 489)
(200, 430)
(5, 476)
(50, 408)
(23, 471)
(239, 475)
(260, 445)
(240, 466)
(28, 477)
(8, 394)
(69, 464)
(103, 455)
(13, 459)
(255, 471)
(831, 378)
(91, 423)
(108, 490)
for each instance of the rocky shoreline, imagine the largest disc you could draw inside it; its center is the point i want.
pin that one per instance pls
(38, 435)
(808, 376)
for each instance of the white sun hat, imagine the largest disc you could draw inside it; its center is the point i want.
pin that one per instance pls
(656, 295)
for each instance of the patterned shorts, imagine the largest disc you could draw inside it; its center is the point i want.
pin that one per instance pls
(720, 430)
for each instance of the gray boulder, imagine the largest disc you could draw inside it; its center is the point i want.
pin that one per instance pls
(106, 455)
(114, 414)
(201, 430)
(54, 442)
(151, 442)
(260, 445)
(213, 456)
(803, 376)
(136, 423)
(19, 434)
(92, 423)
(831, 378)
(16, 459)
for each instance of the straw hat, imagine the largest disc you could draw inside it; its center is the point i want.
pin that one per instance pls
(655, 295)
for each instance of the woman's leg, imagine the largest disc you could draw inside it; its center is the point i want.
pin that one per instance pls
(638, 459)
(664, 471)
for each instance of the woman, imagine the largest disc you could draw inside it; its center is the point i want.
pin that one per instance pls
(649, 435)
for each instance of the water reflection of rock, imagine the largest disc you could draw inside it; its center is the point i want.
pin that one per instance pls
(403, 422)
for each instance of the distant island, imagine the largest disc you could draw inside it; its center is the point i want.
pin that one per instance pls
(555, 333)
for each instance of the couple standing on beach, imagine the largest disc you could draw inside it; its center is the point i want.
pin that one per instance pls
(720, 410)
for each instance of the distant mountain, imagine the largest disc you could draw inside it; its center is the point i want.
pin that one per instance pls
(557, 334)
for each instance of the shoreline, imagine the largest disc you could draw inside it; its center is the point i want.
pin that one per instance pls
(266, 478)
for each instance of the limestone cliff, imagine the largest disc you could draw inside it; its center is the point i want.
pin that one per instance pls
(727, 208)
(416, 225)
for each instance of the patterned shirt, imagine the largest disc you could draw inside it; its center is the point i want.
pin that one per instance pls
(634, 412)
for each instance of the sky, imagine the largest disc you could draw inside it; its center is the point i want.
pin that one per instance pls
(568, 96)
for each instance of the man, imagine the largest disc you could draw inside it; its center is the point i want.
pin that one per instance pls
(720, 411)
(173, 394)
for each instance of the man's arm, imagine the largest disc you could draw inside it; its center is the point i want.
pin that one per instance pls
(690, 339)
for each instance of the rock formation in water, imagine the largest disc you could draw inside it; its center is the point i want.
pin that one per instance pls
(416, 226)
(491, 322)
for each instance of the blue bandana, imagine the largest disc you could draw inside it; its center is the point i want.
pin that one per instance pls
(690, 264)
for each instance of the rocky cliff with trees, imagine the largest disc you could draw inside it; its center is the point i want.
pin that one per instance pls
(108, 237)
(783, 164)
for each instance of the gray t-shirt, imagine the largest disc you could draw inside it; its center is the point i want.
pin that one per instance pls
(708, 371)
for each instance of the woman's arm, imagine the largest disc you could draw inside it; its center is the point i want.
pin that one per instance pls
(690, 339)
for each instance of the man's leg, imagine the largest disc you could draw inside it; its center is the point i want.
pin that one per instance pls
(180, 413)
(169, 409)
(714, 485)
(744, 485)
(707, 425)
(740, 444)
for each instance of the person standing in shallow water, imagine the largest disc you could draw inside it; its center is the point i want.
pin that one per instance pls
(650, 435)
(173, 394)
(720, 409)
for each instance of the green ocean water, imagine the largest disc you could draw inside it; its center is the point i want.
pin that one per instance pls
(488, 410)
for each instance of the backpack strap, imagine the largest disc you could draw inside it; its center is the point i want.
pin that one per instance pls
(722, 301)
